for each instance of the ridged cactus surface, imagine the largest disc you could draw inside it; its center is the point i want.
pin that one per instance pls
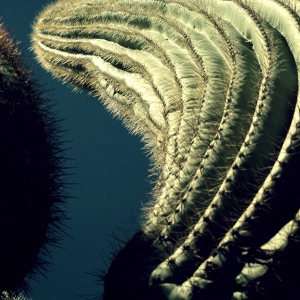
(212, 88)
(32, 190)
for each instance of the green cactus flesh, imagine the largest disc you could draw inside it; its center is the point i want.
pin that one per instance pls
(212, 88)
(31, 177)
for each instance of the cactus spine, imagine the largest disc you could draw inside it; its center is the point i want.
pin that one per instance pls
(212, 87)
(31, 177)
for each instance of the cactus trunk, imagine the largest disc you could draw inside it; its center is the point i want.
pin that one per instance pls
(32, 190)
(212, 88)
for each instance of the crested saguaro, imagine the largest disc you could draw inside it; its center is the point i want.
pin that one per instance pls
(212, 87)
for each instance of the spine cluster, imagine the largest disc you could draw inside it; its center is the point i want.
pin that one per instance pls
(212, 87)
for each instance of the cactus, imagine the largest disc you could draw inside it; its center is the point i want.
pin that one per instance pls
(32, 174)
(6, 296)
(212, 88)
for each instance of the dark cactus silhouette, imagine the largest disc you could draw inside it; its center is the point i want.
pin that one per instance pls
(32, 182)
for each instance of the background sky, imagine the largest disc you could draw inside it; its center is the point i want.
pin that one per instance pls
(110, 174)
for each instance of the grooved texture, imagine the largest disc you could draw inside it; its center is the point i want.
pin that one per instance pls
(212, 88)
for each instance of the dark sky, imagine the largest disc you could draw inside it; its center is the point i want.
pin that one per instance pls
(110, 175)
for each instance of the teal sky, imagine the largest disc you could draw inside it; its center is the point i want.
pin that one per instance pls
(110, 174)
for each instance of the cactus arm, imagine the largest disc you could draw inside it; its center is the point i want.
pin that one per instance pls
(172, 111)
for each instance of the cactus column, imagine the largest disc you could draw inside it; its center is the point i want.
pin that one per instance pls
(32, 190)
(212, 88)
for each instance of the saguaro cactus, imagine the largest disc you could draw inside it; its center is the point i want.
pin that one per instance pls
(212, 87)
(31, 174)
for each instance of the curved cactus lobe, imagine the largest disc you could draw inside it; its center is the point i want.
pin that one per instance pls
(212, 86)
(199, 128)
(31, 182)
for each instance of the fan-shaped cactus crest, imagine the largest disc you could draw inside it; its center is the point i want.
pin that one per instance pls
(212, 87)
